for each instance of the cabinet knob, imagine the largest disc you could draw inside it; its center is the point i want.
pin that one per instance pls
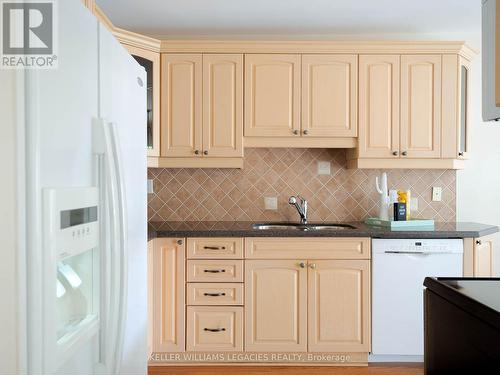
(180, 242)
(296, 132)
(395, 153)
(306, 132)
(205, 152)
(460, 153)
(302, 265)
(196, 152)
(312, 266)
(404, 153)
(478, 242)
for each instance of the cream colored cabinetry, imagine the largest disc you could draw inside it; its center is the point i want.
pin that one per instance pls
(276, 305)
(329, 95)
(214, 294)
(413, 111)
(338, 306)
(202, 110)
(479, 256)
(334, 295)
(272, 95)
(167, 294)
(294, 100)
(181, 105)
(379, 129)
(420, 106)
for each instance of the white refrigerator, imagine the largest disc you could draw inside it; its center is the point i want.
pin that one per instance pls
(79, 215)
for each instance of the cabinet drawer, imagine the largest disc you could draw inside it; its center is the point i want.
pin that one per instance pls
(215, 271)
(215, 248)
(214, 294)
(307, 248)
(211, 328)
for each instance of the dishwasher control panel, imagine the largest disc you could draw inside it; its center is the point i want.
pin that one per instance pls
(417, 245)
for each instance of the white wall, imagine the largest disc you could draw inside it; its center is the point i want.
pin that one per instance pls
(478, 185)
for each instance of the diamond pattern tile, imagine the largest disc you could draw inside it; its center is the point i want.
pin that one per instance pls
(344, 195)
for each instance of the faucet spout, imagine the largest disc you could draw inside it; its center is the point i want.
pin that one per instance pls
(300, 207)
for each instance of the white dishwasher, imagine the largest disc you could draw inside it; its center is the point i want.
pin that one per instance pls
(399, 267)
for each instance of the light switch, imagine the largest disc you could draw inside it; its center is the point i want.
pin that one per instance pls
(437, 192)
(150, 187)
(270, 203)
(324, 167)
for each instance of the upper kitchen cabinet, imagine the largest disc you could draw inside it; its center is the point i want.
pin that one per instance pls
(181, 93)
(329, 95)
(223, 105)
(202, 111)
(150, 61)
(272, 95)
(379, 81)
(420, 106)
(413, 111)
(294, 100)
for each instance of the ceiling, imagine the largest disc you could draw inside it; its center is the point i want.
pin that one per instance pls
(254, 18)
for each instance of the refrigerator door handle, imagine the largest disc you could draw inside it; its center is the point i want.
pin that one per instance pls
(106, 144)
(120, 212)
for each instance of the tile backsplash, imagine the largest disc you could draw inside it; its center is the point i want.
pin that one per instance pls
(343, 195)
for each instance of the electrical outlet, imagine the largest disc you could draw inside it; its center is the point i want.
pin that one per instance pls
(150, 187)
(413, 204)
(270, 203)
(437, 193)
(324, 167)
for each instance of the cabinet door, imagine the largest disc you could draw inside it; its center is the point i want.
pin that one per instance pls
(168, 281)
(379, 106)
(272, 95)
(329, 95)
(275, 305)
(181, 106)
(339, 306)
(421, 106)
(223, 105)
(151, 62)
(483, 256)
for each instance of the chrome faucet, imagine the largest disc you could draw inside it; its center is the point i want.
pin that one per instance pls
(301, 207)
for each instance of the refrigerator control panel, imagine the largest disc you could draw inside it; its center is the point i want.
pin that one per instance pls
(72, 220)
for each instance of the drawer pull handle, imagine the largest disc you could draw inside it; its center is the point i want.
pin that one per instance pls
(214, 271)
(214, 329)
(214, 294)
(214, 247)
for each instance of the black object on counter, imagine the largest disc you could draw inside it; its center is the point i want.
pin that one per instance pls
(399, 211)
(462, 326)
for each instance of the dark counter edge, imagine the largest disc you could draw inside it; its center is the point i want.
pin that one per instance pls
(244, 229)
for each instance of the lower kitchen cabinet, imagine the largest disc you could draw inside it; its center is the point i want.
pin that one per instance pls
(213, 328)
(168, 305)
(338, 306)
(479, 256)
(275, 305)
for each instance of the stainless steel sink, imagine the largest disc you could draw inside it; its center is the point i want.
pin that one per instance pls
(306, 227)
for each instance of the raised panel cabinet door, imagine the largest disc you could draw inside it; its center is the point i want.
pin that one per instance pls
(379, 83)
(483, 256)
(329, 95)
(181, 105)
(272, 95)
(223, 105)
(339, 306)
(168, 283)
(275, 305)
(421, 106)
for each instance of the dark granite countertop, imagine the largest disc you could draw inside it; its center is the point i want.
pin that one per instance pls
(244, 229)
